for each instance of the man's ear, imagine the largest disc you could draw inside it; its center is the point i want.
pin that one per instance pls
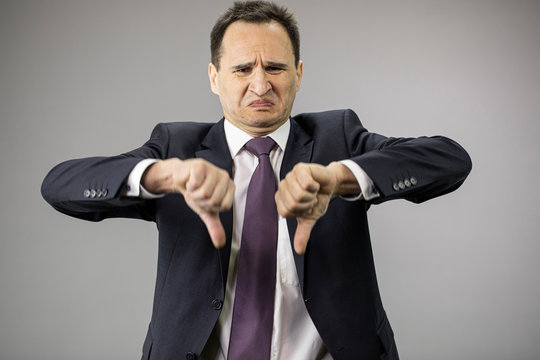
(212, 75)
(299, 73)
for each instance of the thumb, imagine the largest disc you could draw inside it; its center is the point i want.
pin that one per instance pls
(301, 236)
(214, 227)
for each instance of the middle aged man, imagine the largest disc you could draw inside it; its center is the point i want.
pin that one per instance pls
(320, 301)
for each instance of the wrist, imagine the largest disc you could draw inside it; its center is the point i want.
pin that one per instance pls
(149, 178)
(159, 178)
(345, 181)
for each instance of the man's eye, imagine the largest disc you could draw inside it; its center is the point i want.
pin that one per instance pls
(273, 69)
(243, 70)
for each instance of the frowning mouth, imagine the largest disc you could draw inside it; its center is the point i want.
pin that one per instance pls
(261, 104)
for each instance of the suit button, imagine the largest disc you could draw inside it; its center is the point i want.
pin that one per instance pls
(395, 186)
(407, 183)
(191, 356)
(104, 192)
(217, 304)
(86, 193)
(93, 193)
(414, 181)
(401, 185)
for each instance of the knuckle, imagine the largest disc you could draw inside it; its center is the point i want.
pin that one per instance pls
(199, 165)
(297, 197)
(204, 193)
(224, 206)
(299, 166)
(290, 176)
(289, 206)
(213, 202)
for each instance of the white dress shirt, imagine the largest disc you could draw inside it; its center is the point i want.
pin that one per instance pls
(294, 334)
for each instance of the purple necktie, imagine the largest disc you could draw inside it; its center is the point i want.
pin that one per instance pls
(253, 314)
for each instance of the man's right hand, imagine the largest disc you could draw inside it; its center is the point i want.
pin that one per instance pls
(206, 188)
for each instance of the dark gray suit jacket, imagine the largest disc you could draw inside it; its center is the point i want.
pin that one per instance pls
(337, 273)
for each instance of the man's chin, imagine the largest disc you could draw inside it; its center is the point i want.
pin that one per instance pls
(262, 121)
(265, 117)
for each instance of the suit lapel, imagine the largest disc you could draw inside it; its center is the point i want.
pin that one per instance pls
(299, 149)
(214, 149)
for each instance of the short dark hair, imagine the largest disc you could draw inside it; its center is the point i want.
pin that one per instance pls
(256, 12)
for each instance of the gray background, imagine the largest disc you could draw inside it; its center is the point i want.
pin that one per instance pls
(458, 274)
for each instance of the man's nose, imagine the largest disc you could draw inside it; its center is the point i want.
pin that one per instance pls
(259, 83)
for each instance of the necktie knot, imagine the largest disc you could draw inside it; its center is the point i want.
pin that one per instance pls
(260, 146)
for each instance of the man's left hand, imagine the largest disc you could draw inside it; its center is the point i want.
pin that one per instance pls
(306, 192)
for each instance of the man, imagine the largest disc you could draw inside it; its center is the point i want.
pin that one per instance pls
(324, 300)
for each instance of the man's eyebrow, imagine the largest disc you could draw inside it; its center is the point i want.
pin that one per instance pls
(252, 63)
(243, 66)
(276, 64)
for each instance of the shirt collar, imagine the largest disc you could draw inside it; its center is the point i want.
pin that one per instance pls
(236, 138)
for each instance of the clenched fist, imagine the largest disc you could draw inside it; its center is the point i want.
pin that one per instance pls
(206, 188)
(306, 192)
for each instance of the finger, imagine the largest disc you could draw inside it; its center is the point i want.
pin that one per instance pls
(287, 205)
(229, 196)
(280, 198)
(301, 236)
(199, 174)
(203, 185)
(281, 208)
(214, 227)
(306, 180)
(301, 187)
(211, 194)
(292, 199)
(301, 173)
(224, 193)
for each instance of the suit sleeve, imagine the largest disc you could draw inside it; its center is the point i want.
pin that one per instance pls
(91, 188)
(416, 169)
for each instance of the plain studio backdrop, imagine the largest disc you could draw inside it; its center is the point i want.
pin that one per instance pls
(458, 274)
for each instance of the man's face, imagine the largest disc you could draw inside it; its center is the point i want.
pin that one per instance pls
(257, 80)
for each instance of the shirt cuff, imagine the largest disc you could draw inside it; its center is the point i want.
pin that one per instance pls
(367, 187)
(133, 184)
